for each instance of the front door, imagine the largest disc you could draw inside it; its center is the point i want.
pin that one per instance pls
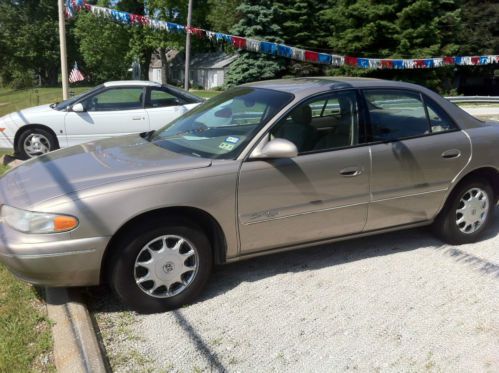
(115, 111)
(419, 152)
(321, 193)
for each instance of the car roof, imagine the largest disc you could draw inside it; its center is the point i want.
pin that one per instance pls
(140, 83)
(320, 84)
(302, 88)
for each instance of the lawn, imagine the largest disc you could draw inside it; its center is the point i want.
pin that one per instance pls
(25, 336)
(13, 100)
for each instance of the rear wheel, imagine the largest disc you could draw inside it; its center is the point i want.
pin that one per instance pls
(34, 142)
(162, 267)
(467, 214)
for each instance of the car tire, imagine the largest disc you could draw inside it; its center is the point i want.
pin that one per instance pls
(143, 254)
(26, 148)
(468, 212)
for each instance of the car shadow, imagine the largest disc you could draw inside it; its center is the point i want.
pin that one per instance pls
(227, 277)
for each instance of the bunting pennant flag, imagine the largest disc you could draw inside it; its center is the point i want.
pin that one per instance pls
(277, 49)
(75, 75)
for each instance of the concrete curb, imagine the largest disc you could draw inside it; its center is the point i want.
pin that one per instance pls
(76, 348)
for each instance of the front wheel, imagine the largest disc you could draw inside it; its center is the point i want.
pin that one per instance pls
(467, 214)
(34, 142)
(161, 268)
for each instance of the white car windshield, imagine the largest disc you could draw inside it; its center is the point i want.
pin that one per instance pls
(70, 101)
(222, 126)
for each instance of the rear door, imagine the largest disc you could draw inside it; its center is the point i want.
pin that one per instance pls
(163, 106)
(418, 150)
(111, 112)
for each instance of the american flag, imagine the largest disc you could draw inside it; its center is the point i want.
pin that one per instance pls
(75, 75)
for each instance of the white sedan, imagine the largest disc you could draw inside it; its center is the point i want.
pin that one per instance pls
(110, 109)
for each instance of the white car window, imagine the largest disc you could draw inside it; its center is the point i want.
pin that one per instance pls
(126, 98)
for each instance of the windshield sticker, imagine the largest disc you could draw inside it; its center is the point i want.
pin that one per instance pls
(232, 139)
(194, 138)
(226, 146)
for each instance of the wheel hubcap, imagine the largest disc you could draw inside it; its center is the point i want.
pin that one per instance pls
(36, 144)
(166, 266)
(472, 210)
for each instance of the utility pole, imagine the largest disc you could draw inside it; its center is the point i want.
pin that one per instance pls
(188, 46)
(64, 58)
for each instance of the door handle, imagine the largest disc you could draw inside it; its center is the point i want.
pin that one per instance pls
(137, 118)
(351, 172)
(452, 153)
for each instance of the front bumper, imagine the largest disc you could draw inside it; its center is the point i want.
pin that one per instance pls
(68, 262)
(7, 132)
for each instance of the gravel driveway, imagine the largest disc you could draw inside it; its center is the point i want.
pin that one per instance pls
(399, 302)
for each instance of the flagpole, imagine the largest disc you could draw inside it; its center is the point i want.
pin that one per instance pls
(64, 59)
(188, 46)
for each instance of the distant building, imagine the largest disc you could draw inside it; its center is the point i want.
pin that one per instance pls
(156, 65)
(207, 70)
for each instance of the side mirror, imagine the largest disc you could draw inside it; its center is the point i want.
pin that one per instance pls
(277, 148)
(78, 108)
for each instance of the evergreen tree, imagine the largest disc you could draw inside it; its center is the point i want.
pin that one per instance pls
(259, 21)
(480, 27)
(222, 14)
(302, 28)
(395, 29)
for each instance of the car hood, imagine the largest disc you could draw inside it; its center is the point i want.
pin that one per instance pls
(89, 165)
(34, 110)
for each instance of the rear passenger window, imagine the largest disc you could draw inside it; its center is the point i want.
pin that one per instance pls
(161, 98)
(439, 119)
(396, 114)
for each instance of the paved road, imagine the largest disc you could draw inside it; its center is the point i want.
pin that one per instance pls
(399, 302)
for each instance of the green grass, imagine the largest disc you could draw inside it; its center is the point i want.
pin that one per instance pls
(25, 335)
(14, 100)
(205, 94)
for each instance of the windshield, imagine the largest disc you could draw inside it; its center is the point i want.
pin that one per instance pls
(70, 101)
(223, 125)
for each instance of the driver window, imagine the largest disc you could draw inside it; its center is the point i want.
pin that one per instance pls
(115, 99)
(322, 124)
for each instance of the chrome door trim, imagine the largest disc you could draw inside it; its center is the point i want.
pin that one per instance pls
(301, 213)
(409, 195)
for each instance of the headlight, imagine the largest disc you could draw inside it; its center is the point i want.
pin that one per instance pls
(37, 222)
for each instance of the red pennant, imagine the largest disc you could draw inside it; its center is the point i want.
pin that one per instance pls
(449, 61)
(311, 56)
(352, 61)
(239, 42)
(387, 64)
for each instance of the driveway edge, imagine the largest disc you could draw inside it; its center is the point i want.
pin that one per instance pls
(76, 348)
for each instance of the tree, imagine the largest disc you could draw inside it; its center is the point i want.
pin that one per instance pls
(222, 14)
(104, 47)
(258, 19)
(303, 29)
(394, 29)
(28, 30)
(480, 27)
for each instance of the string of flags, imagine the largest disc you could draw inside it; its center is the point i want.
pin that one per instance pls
(276, 49)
